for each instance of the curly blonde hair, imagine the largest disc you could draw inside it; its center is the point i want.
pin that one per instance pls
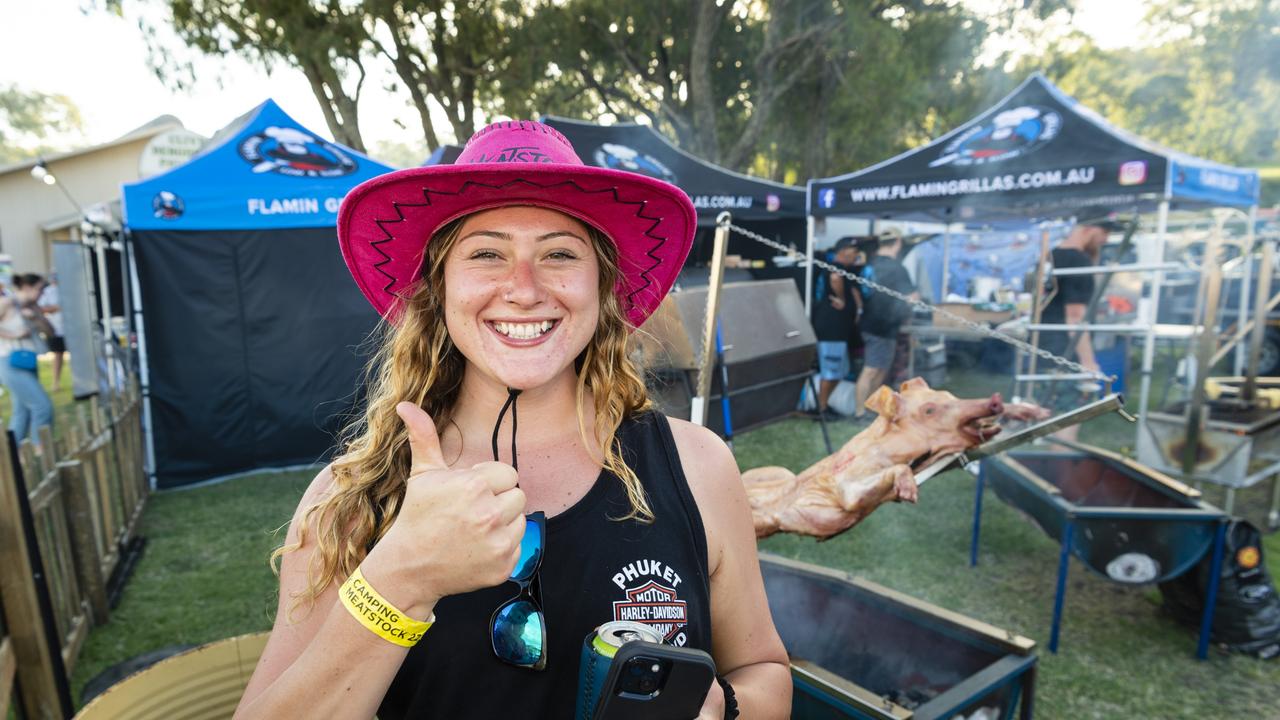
(417, 361)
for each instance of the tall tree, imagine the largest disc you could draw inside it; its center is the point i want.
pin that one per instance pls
(447, 52)
(709, 72)
(33, 122)
(1208, 84)
(322, 38)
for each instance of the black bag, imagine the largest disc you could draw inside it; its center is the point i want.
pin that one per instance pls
(1247, 617)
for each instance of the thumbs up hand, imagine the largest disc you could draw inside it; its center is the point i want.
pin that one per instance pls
(457, 530)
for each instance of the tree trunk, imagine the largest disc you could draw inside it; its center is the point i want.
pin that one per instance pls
(806, 40)
(339, 110)
(707, 17)
(411, 75)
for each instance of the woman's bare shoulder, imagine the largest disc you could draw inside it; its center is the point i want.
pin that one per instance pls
(703, 453)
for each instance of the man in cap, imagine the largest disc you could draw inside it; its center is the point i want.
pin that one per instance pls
(1070, 300)
(882, 316)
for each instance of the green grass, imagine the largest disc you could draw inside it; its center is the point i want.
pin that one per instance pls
(204, 577)
(204, 573)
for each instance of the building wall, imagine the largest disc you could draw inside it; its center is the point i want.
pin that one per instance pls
(26, 204)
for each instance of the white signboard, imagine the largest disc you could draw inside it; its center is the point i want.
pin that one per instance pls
(168, 150)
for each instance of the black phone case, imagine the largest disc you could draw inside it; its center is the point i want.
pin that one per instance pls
(692, 672)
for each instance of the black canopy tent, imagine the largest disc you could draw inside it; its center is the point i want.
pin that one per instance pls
(250, 320)
(443, 155)
(1038, 154)
(772, 209)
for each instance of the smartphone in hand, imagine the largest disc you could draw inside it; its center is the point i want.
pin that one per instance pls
(648, 681)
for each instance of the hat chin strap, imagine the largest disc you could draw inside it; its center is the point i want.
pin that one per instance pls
(512, 394)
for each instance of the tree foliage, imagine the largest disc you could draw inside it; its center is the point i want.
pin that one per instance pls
(32, 123)
(322, 39)
(788, 89)
(1208, 86)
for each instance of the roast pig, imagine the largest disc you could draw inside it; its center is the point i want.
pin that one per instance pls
(914, 427)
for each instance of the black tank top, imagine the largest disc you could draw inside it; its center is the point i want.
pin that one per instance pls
(595, 570)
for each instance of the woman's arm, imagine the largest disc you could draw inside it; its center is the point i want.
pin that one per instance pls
(7, 306)
(296, 670)
(457, 530)
(36, 318)
(745, 644)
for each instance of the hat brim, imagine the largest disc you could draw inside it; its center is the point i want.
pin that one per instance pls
(385, 223)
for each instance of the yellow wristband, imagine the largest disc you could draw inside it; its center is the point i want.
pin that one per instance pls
(381, 617)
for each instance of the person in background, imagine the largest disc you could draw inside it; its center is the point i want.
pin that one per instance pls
(20, 324)
(1071, 296)
(835, 314)
(918, 272)
(50, 305)
(917, 264)
(882, 316)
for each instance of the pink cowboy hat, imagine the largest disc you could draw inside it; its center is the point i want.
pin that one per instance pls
(385, 223)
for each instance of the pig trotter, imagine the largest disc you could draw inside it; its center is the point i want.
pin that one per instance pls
(904, 484)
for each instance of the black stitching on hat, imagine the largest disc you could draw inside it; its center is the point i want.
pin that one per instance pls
(630, 297)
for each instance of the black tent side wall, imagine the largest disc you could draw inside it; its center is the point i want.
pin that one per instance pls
(305, 322)
(251, 341)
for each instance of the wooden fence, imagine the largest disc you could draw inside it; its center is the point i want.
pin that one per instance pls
(67, 514)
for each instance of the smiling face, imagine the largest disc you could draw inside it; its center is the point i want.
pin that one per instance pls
(522, 294)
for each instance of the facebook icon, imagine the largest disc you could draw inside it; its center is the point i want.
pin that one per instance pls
(827, 197)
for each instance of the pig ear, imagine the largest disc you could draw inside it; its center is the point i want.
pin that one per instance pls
(884, 402)
(916, 383)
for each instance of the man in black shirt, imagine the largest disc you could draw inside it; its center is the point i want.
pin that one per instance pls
(1073, 292)
(1071, 297)
(835, 311)
(882, 316)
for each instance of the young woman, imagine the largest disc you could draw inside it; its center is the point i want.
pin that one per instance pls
(20, 321)
(508, 436)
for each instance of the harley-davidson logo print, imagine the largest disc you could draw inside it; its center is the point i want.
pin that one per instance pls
(652, 599)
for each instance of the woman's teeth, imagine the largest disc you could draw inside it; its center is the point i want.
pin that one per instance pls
(523, 331)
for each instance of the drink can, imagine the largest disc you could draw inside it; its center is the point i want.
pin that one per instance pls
(598, 650)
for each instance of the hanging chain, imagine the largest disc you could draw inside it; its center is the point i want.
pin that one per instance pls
(926, 307)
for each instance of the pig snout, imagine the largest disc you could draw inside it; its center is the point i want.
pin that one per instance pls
(979, 409)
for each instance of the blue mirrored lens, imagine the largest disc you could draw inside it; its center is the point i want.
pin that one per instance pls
(518, 633)
(530, 551)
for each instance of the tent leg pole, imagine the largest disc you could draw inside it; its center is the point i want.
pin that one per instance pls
(1153, 312)
(144, 375)
(946, 262)
(108, 333)
(808, 268)
(1246, 282)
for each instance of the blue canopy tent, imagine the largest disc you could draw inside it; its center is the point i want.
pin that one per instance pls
(250, 321)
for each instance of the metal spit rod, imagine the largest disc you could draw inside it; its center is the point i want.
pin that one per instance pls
(1111, 403)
